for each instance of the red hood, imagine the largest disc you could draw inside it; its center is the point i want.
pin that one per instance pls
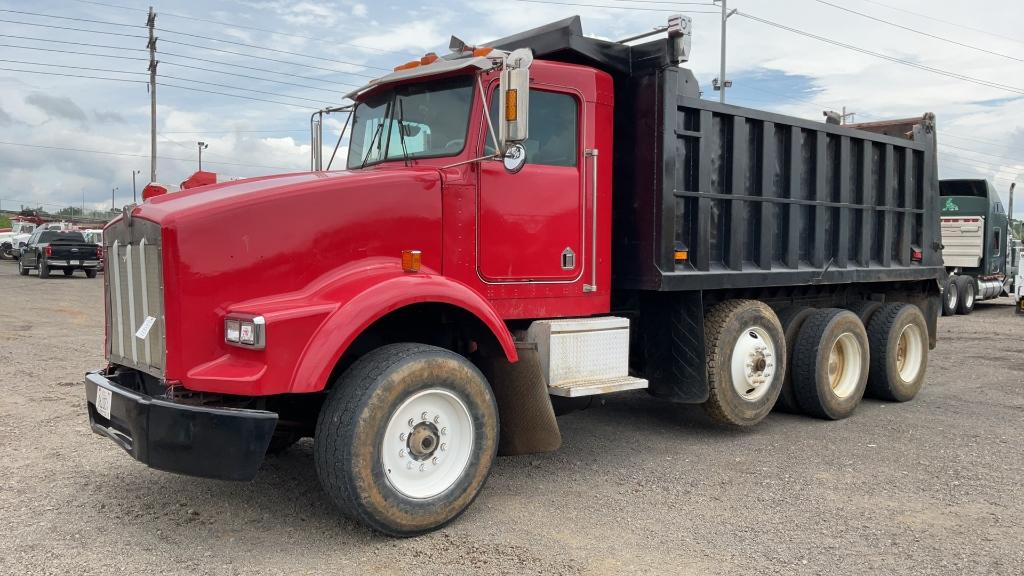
(281, 187)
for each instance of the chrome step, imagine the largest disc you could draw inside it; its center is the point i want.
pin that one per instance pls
(574, 388)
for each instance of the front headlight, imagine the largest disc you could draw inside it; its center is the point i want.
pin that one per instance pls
(245, 330)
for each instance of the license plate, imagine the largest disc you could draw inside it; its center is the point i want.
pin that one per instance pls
(76, 262)
(103, 397)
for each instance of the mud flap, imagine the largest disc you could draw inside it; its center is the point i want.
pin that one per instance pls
(528, 424)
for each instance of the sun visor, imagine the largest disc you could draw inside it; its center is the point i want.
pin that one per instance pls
(435, 68)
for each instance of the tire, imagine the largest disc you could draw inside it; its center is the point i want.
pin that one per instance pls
(90, 273)
(384, 394)
(746, 358)
(864, 309)
(21, 268)
(44, 270)
(898, 337)
(836, 339)
(281, 442)
(968, 294)
(69, 271)
(791, 318)
(950, 297)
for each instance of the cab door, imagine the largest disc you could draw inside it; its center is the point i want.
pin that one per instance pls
(530, 224)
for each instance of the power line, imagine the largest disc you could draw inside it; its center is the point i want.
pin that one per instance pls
(981, 82)
(179, 43)
(165, 84)
(618, 7)
(165, 62)
(257, 69)
(289, 63)
(164, 76)
(68, 66)
(72, 43)
(277, 94)
(127, 155)
(959, 25)
(75, 75)
(73, 52)
(915, 31)
(71, 18)
(244, 27)
(1017, 160)
(268, 49)
(54, 26)
(175, 55)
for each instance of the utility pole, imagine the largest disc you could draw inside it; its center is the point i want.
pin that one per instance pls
(112, 190)
(722, 83)
(151, 24)
(135, 199)
(202, 146)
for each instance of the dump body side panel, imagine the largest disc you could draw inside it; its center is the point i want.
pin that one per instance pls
(756, 199)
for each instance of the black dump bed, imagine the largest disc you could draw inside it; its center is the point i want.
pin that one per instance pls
(749, 197)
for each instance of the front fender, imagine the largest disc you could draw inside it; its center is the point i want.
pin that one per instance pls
(370, 301)
(308, 331)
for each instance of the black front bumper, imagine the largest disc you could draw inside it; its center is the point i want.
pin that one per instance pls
(224, 443)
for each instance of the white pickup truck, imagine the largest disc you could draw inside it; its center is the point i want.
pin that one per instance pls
(20, 232)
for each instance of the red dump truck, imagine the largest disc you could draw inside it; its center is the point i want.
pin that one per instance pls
(519, 226)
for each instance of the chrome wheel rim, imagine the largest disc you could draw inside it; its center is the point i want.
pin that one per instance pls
(969, 297)
(753, 364)
(427, 443)
(909, 352)
(951, 295)
(844, 365)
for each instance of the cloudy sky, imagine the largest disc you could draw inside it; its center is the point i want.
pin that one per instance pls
(65, 138)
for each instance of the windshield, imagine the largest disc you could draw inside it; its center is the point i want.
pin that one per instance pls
(425, 120)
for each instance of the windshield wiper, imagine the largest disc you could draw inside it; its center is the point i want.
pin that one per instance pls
(376, 134)
(401, 129)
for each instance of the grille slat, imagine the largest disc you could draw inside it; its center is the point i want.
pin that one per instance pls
(134, 277)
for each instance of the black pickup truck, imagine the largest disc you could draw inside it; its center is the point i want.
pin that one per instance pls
(47, 250)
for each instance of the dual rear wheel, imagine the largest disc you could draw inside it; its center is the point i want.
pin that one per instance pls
(816, 361)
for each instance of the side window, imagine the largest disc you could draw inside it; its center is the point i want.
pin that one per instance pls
(996, 237)
(553, 128)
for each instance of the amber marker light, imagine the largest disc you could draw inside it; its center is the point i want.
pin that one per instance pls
(411, 260)
(511, 105)
(682, 255)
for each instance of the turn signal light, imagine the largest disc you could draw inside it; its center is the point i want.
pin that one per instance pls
(682, 255)
(411, 260)
(511, 105)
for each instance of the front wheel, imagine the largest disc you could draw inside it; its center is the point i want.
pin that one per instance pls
(406, 438)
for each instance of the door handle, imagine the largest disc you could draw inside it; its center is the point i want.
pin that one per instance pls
(592, 155)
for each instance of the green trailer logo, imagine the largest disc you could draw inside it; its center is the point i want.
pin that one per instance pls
(950, 206)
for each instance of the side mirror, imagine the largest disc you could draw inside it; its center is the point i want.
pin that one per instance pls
(514, 86)
(514, 158)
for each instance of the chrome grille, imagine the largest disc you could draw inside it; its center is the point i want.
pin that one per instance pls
(134, 275)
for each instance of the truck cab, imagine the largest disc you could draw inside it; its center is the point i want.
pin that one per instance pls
(975, 234)
(518, 226)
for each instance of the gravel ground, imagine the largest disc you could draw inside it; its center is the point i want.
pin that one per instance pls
(929, 487)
